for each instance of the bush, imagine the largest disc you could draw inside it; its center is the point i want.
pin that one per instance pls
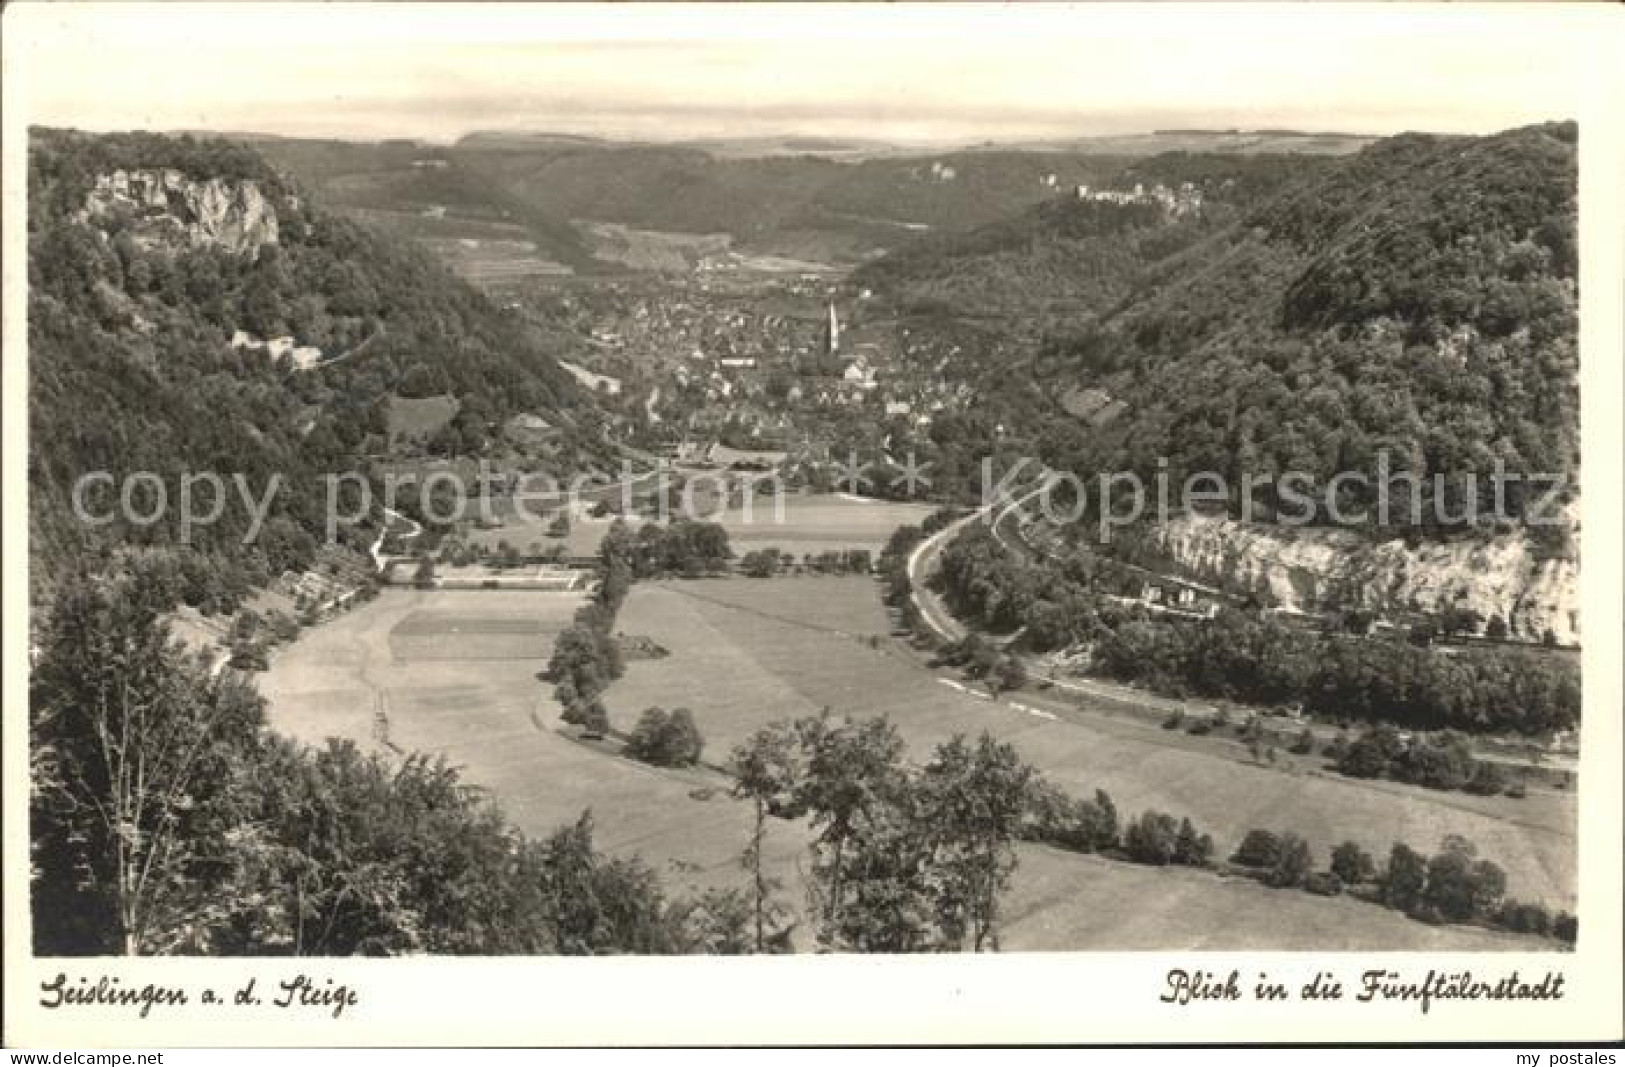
(666, 740)
(1323, 884)
(1523, 918)
(1566, 927)
(1190, 848)
(1371, 755)
(1304, 744)
(1294, 864)
(1352, 864)
(1260, 848)
(594, 720)
(1443, 761)
(1174, 721)
(1404, 878)
(762, 563)
(249, 655)
(1488, 779)
(1070, 823)
(1009, 673)
(1461, 887)
(1152, 838)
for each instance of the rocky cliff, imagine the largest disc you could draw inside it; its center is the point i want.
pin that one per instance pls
(1328, 569)
(164, 210)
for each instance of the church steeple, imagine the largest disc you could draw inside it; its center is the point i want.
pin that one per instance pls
(832, 332)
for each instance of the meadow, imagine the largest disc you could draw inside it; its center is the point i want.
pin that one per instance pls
(745, 652)
(802, 524)
(456, 673)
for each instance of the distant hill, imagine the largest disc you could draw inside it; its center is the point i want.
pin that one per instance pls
(828, 199)
(401, 183)
(1063, 260)
(801, 205)
(1417, 298)
(1239, 142)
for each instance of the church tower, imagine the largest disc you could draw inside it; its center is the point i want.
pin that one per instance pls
(832, 332)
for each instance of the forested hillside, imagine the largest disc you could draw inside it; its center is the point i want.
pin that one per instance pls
(1416, 299)
(148, 257)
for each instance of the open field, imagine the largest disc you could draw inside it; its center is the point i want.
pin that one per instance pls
(455, 672)
(809, 523)
(746, 652)
(817, 523)
(419, 417)
(482, 250)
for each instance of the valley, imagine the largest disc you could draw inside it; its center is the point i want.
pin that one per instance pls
(745, 652)
(786, 386)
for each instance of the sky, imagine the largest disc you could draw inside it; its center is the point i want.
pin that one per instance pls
(916, 74)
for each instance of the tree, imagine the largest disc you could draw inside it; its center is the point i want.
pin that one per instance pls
(762, 563)
(972, 800)
(717, 923)
(1487, 779)
(1293, 864)
(138, 760)
(1352, 864)
(594, 720)
(765, 773)
(1372, 754)
(1460, 886)
(1404, 879)
(591, 904)
(1260, 848)
(665, 740)
(424, 578)
(1152, 838)
(1441, 762)
(1190, 848)
(851, 785)
(1010, 673)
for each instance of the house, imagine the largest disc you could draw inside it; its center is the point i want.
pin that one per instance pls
(898, 407)
(859, 373)
(279, 347)
(305, 357)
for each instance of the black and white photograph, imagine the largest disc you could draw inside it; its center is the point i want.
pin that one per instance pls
(1068, 482)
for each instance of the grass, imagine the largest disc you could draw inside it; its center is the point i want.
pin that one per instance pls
(494, 718)
(745, 652)
(805, 524)
(456, 673)
(419, 417)
(817, 523)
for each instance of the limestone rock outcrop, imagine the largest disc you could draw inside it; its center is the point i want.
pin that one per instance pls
(164, 210)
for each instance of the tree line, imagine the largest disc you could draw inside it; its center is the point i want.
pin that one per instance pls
(1249, 657)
